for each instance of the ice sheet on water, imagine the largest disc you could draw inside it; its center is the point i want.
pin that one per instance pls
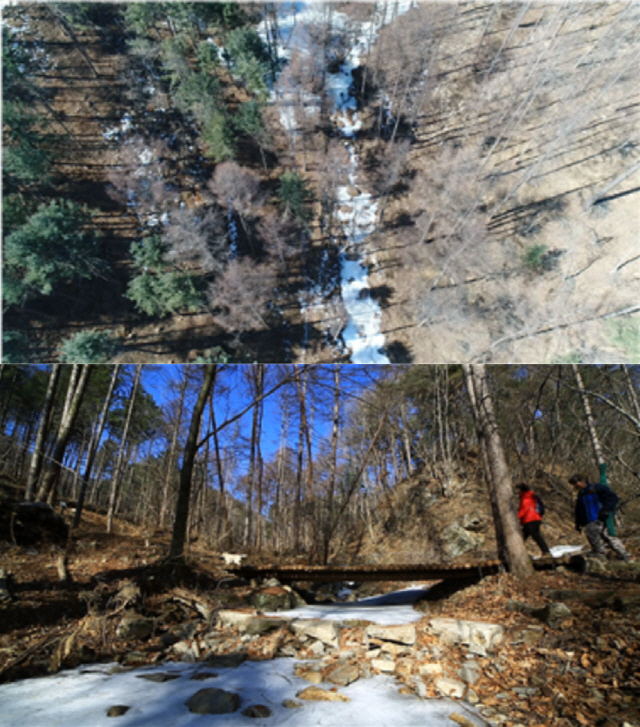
(362, 334)
(82, 696)
(390, 609)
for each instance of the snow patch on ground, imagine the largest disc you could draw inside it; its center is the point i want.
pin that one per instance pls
(557, 551)
(116, 132)
(81, 697)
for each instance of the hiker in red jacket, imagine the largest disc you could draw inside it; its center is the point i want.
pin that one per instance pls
(530, 518)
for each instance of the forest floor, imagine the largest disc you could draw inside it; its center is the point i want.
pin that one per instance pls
(582, 672)
(524, 316)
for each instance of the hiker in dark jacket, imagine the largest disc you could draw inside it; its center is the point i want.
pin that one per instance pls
(594, 504)
(530, 518)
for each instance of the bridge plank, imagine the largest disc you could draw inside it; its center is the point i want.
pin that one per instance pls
(361, 573)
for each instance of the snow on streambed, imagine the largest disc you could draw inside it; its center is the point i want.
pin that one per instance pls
(389, 610)
(358, 211)
(81, 697)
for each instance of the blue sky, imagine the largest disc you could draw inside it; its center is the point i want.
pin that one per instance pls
(231, 396)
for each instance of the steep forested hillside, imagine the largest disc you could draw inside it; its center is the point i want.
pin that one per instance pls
(365, 182)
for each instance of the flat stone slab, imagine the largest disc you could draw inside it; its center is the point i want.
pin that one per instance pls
(309, 675)
(344, 675)
(403, 634)
(250, 622)
(315, 694)
(326, 631)
(225, 661)
(480, 636)
(386, 666)
(235, 619)
(451, 687)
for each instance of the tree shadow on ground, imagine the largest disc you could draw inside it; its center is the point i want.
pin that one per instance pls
(52, 611)
(381, 294)
(403, 219)
(272, 345)
(397, 353)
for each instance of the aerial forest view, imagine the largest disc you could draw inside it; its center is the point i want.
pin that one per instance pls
(319, 544)
(376, 182)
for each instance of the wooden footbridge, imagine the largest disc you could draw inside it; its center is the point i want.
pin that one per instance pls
(360, 573)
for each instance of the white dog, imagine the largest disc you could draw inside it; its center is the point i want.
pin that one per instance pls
(232, 558)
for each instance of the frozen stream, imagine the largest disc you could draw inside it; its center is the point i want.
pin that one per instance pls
(357, 210)
(82, 697)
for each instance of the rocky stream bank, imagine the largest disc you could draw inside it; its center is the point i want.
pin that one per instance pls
(561, 649)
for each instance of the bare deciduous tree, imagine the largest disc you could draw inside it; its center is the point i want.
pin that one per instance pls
(196, 239)
(140, 181)
(508, 533)
(278, 234)
(242, 294)
(237, 189)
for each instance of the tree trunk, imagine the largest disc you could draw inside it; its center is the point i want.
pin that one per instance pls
(93, 448)
(302, 382)
(227, 534)
(43, 429)
(73, 491)
(117, 470)
(75, 392)
(186, 471)
(333, 464)
(593, 433)
(508, 533)
(172, 453)
(257, 372)
(297, 505)
(259, 537)
(279, 523)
